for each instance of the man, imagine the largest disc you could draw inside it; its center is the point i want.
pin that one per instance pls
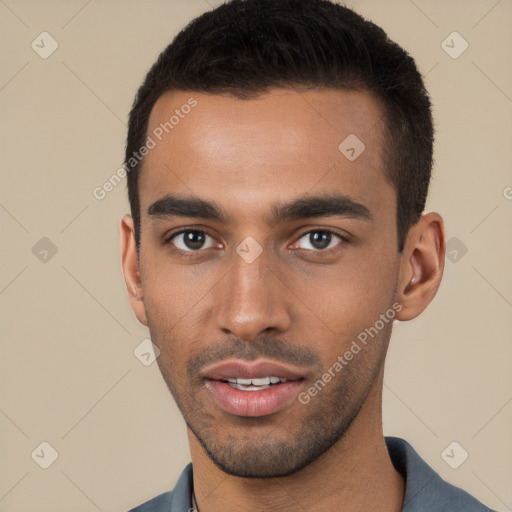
(278, 159)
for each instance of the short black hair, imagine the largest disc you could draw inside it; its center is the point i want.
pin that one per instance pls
(246, 47)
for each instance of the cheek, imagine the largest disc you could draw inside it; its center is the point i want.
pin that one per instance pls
(171, 310)
(172, 291)
(349, 298)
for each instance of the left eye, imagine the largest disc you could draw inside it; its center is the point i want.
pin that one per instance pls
(320, 239)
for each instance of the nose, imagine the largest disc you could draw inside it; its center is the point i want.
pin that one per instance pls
(251, 300)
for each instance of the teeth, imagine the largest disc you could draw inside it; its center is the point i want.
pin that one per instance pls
(258, 383)
(264, 381)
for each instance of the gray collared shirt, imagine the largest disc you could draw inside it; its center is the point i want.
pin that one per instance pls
(425, 490)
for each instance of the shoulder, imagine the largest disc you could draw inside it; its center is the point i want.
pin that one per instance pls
(179, 499)
(159, 503)
(425, 490)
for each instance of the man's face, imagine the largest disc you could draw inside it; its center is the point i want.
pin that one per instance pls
(251, 287)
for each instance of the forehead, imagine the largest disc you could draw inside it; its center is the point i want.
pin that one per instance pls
(282, 144)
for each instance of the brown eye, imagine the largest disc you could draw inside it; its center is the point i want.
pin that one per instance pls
(320, 239)
(191, 240)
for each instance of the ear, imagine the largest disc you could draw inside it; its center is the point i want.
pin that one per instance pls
(131, 269)
(421, 266)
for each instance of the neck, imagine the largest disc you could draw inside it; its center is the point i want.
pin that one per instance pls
(356, 473)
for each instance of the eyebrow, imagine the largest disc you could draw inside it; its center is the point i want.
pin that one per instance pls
(303, 207)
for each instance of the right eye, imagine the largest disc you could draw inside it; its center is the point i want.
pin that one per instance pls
(190, 240)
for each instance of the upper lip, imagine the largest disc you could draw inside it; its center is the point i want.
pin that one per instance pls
(239, 369)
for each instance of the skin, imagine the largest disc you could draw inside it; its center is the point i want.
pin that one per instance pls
(296, 303)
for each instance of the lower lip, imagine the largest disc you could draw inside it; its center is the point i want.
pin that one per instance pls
(254, 403)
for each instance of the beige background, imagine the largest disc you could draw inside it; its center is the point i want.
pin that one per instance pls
(68, 373)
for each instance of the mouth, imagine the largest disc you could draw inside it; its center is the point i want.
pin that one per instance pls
(252, 389)
(257, 384)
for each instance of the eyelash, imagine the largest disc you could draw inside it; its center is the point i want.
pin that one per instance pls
(191, 253)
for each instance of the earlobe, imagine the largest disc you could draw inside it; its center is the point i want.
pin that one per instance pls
(421, 267)
(131, 269)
